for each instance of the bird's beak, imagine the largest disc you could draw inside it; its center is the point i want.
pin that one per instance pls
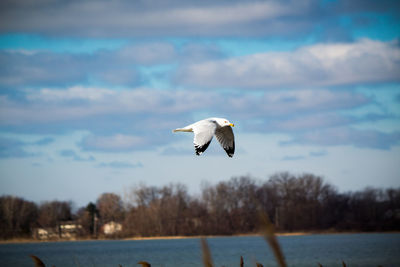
(233, 125)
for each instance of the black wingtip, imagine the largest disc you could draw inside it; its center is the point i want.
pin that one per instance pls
(200, 149)
(230, 151)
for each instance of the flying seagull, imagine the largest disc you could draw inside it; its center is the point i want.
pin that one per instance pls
(204, 131)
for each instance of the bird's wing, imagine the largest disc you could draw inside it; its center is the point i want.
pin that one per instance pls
(203, 133)
(227, 140)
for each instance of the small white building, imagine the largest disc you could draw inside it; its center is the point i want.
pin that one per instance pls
(111, 228)
(69, 229)
(45, 233)
(64, 230)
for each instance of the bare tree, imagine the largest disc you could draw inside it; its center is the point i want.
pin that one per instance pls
(17, 216)
(110, 207)
(51, 213)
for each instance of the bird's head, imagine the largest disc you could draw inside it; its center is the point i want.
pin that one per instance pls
(225, 122)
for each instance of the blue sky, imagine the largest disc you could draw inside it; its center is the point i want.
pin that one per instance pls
(90, 91)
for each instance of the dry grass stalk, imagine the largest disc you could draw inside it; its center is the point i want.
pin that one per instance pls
(38, 262)
(144, 263)
(241, 261)
(269, 235)
(207, 261)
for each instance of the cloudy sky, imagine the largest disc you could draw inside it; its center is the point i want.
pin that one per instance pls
(90, 91)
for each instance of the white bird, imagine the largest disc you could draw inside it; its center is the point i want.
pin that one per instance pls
(204, 131)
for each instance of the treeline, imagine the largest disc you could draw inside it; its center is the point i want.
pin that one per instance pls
(293, 203)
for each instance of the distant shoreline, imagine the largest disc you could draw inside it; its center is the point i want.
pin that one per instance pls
(214, 236)
(28, 240)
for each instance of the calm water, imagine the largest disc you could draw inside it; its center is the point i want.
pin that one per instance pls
(355, 249)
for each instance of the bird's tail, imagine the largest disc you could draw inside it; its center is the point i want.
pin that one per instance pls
(182, 130)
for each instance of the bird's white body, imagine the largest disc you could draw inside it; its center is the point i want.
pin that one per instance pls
(204, 131)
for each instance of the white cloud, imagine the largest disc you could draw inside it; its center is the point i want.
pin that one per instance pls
(149, 18)
(147, 54)
(219, 15)
(307, 122)
(114, 143)
(120, 165)
(71, 93)
(113, 67)
(308, 100)
(80, 103)
(69, 153)
(365, 61)
(275, 104)
(346, 136)
(77, 102)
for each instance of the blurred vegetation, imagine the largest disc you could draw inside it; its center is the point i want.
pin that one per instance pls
(293, 203)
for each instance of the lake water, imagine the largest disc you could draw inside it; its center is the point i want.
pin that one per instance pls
(355, 249)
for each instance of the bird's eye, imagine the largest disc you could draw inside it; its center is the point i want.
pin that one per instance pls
(226, 122)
